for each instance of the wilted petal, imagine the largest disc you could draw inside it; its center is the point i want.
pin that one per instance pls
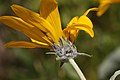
(24, 44)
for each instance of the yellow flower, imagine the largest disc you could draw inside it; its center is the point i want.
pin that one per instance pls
(104, 5)
(79, 23)
(45, 29)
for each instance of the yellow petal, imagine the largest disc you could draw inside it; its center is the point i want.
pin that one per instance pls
(38, 42)
(104, 5)
(84, 27)
(110, 1)
(46, 7)
(91, 9)
(24, 44)
(49, 11)
(115, 1)
(83, 23)
(20, 25)
(71, 34)
(73, 21)
(35, 20)
(84, 20)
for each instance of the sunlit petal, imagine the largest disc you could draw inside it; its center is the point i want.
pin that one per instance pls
(71, 34)
(35, 20)
(20, 25)
(49, 11)
(76, 24)
(38, 42)
(73, 20)
(84, 20)
(85, 28)
(91, 9)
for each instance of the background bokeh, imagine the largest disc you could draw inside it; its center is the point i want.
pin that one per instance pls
(34, 64)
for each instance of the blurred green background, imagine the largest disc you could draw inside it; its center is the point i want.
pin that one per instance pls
(34, 64)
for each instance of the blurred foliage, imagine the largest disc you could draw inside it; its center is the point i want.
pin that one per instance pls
(34, 64)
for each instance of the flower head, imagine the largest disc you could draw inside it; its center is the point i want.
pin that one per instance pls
(104, 5)
(45, 29)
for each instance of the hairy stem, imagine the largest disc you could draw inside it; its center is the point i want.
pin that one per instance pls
(79, 72)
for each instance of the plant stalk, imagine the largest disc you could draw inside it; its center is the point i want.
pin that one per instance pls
(79, 72)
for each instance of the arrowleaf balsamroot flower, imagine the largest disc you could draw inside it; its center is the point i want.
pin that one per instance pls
(104, 5)
(45, 29)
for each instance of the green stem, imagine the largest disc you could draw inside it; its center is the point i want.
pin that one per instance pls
(79, 72)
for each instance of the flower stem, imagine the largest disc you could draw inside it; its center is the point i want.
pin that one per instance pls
(79, 72)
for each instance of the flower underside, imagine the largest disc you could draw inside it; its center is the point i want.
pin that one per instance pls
(65, 50)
